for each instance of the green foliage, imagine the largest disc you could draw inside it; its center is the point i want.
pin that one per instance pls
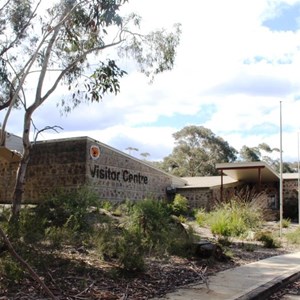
(181, 240)
(11, 268)
(234, 218)
(260, 153)
(201, 217)
(147, 228)
(267, 238)
(70, 37)
(179, 205)
(151, 218)
(31, 225)
(182, 219)
(294, 237)
(250, 153)
(141, 229)
(59, 236)
(122, 245)
(286, 223)
(107, 205)
(197, 151)
(68, 208)
(131, 251)
(64, 218)
(225, 225)
(106, 240)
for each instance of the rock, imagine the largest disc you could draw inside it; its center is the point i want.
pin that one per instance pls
(207, 249)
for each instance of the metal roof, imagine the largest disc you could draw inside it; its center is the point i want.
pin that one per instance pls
(256, 171)
(291, 176)
(207, 181)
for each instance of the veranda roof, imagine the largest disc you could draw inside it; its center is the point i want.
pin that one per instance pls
(252, 172)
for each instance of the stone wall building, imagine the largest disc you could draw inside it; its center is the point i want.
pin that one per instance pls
(76, 162)
(116, 176)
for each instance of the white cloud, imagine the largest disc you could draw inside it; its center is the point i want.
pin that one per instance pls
(219, 37)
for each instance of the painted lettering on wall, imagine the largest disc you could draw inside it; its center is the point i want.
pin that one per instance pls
(123, 175)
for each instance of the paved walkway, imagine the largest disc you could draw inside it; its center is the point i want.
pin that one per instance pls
(252, 281)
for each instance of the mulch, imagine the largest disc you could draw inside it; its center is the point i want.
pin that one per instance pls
(80, 275)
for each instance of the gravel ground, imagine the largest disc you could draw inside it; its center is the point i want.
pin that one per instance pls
(77, 274)
(292, 289)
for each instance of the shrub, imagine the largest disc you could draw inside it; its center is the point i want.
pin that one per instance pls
(160, 232)
(58, 236)
(11, 269)
(220, 224)
(294, 237)
(286, 223)
(268, 240)
(107, 205)
(201, 217)
(182, 219)
(120, 244)
(234, 218)
(151, 218)
(180, 205)
(106, 240)
(68, 208)
(131, 252)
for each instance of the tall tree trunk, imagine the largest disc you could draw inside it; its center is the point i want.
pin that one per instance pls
(2, 137)
(21, 173)
(20, 184)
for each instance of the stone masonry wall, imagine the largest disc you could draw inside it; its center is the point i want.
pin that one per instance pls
(71, 163)
(206, 198)
(197, 197)
(53, 166)
(7, 180)
(290, 189)
(116, 176)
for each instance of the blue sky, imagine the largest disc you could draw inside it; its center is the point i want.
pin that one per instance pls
(237, 60)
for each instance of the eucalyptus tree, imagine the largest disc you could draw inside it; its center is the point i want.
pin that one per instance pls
(145, 155)
(197, 151)
(250, 153)
(65, 43)
(262, 153)
(15, 19)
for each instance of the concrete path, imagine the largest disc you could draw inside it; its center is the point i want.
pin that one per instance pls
(252, 281)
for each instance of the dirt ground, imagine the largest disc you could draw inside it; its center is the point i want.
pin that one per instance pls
(79, 274)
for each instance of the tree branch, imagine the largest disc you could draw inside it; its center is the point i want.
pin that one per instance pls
(72, 65)
(25, 264)
(55, 127)
(5, 4)
(21, 32)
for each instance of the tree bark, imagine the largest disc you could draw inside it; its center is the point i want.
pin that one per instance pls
(21, 173)
(19, 186)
